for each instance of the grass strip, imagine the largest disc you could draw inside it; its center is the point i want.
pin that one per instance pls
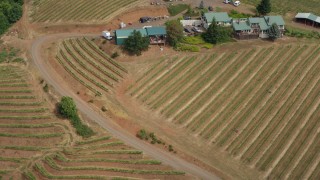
(41, 110)
(14, 85)
(29, 175)
(24, 117)
(93, 140)
(46, 174)
(53, 165)
(118, 152)
(16, 91)
(100, 145)
(26, 125)
(16, 160)
(20, 104)
(40, 136)
(62, 158)
(17, 97)
(24, 148)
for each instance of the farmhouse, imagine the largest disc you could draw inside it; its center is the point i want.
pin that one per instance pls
(252, 28)
(157, 35)
(222, 19)
(308, 19)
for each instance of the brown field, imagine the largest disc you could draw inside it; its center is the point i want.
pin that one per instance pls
(260, 105)
(49, 11)
(35, 144)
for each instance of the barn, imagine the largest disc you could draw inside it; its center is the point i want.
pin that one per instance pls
(308, 19)
(123, 34)
(157, 35)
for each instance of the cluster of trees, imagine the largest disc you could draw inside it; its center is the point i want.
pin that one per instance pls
(10, 12)
(217, 34)
(68, 109)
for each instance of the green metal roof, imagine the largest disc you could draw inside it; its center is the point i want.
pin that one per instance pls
(219, 17)
(254, 20)
(125, 33)
(152, 31)
(312, 17)
(309, 16)
(263, 24)
(241, 26)
(274, 19)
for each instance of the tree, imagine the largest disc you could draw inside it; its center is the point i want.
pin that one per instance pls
(67, 107)
(135, 43)
(216, 34)
(4, 23)
(14, 13)
(174, 32)
(201, 6)
(264, 7)
(274, 32)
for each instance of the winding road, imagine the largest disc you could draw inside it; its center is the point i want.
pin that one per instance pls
(48, 74)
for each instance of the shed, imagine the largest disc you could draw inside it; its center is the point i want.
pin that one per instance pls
(308, 19)
(156, 31)
(123, 34)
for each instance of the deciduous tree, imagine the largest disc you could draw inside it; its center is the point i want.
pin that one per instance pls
(136, 43)
(174, 32)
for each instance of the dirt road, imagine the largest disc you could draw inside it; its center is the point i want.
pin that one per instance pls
(62, 88)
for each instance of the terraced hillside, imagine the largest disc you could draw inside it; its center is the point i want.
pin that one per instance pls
(76, 10)
(89, 65)
(27, 128)
(260, 105)
(36, 145)
(102, 158)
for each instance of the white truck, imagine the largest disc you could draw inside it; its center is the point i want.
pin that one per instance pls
(235, 3)
(107, 35)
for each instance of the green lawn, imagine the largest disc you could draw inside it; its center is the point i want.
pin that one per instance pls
(284, 6)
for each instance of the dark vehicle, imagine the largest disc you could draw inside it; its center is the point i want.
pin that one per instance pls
(144, 19)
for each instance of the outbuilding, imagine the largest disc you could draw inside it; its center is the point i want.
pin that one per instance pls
(308, 19)
(123, 34)
(157, 34)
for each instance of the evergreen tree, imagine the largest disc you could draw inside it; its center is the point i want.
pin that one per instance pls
(216, 34)
(135, 43)
(264, 7)
(201, 6)
(274, 32)
(174, 32)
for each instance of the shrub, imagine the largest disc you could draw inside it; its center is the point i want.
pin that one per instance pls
(104, 109)
(115, 55)
(67, 108)
(142, 134)
(46, 88)
(170, 148)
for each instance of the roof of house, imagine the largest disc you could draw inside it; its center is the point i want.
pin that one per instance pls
(254, 20)
(160, 30)
(309, 16)
(124, 33)
(219, 16)
(241, 25)
(274, 19)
